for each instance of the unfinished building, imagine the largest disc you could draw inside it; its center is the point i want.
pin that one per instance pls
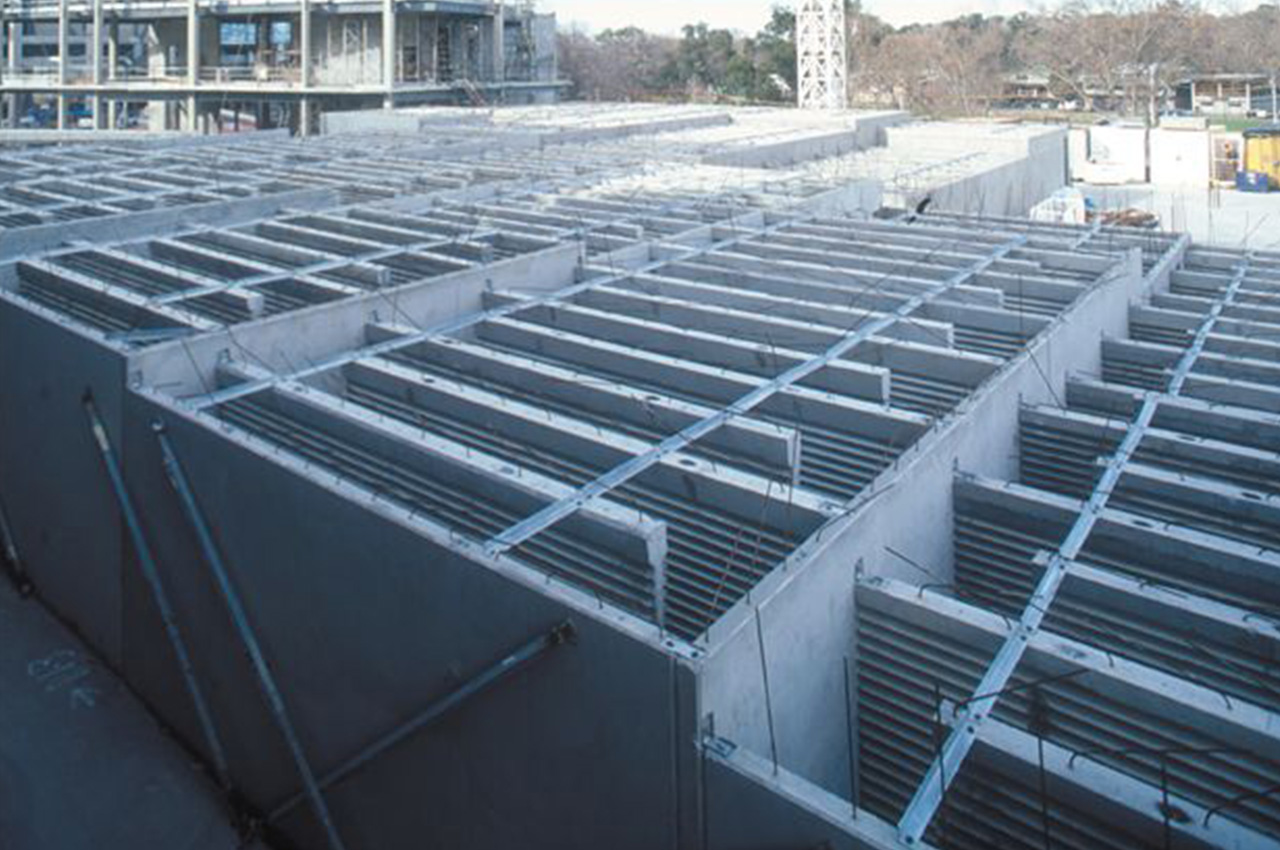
(220, 67)
(628, 498)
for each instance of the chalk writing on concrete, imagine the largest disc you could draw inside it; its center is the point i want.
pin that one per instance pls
(65, 672)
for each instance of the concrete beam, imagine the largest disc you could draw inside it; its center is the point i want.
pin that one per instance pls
(1181, 447)
(374, 234)
(764, 329)
(985, 318)
(638, 538)
(758, 252)
(290, 256)
(855, 243)
(577, 442)
(41, 272)
(946, 364)
(848, 288)
(1233, 392)
(1150, 694)
(218, 264)
(1206, 620)
(714, 348)
(697, 381)
(769, 445)
(1192, 416)
(1115, 798)
(1180, 555)
(331, 244)
(1248, 506)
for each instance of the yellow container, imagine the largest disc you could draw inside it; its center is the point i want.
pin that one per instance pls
(1262, 153)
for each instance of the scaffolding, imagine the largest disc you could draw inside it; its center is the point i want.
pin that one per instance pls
(821, 55)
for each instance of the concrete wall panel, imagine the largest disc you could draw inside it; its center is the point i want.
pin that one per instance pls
(366, 622)
(807, 615)
(56, 490)
(1181, 158)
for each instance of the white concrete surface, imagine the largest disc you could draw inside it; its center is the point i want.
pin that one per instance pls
(1222, 217)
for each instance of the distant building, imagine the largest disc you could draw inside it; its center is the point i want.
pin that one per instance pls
(1225, 94)
(189, 65)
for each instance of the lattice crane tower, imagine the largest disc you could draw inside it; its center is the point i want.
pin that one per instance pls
(822, 72)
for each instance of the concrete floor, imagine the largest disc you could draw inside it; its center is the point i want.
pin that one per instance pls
(83, 766)
(1222, 217)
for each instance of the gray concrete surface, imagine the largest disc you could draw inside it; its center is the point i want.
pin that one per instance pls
(83, 766)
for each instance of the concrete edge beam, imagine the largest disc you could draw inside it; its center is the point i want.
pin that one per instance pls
(1114, 797)
(1195, 615)
(637, 537)
(40, 270)
(773, 446)
(567, 437)
(797, 404)
(1233, 392)
(1144, 689)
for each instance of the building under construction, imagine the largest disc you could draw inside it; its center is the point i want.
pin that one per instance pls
(635, 478)
(221, 67)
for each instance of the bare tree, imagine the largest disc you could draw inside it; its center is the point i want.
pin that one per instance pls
(1126, 53)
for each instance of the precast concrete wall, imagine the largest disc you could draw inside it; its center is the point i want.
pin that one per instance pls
(1116, 155)
(367, 617)
(803, 619)
(750, 806)
(17, 242)
(1008, 189)
(294, 340)
(64, 518)
(1181, 158)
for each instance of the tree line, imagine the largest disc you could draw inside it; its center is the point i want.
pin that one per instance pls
(1121, 55)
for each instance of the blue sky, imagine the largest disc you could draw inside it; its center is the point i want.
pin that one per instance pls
(747, 15)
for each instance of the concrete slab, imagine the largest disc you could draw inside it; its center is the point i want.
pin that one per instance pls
(1212, 216)
(83, 765)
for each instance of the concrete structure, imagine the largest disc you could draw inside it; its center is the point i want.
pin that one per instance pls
(652, 498)
(202, 66)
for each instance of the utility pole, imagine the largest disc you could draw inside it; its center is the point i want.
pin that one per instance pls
(1275, 97)
(822, 61)
(389, 53)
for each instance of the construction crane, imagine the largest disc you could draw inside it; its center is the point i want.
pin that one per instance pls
(821, 57)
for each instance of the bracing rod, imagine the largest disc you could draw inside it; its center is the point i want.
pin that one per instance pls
(490, 676)
(244, 630)
(151, 573)
(9, 554)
